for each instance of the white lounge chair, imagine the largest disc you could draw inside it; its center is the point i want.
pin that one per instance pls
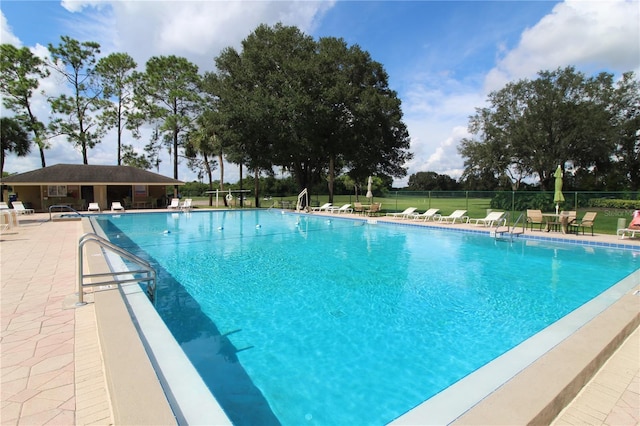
(93, 207)
(346, 208)
(186, 206)
(429, 214)
(19, 208)
(490, 219)
(324, 207)
(458, 214)
(4, 205)
(116, 206)
(402, 215)
(632, 229)
(175, 204)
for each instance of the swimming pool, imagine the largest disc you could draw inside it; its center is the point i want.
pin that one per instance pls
(300, 319)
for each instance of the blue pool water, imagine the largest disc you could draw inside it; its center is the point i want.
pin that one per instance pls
(296, 319)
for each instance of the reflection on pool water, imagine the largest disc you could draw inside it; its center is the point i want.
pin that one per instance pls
(296, 319)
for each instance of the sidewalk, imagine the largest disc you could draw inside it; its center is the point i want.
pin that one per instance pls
(52, 370)
(52, 365)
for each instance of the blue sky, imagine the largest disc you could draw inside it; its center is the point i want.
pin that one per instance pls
(442, 57)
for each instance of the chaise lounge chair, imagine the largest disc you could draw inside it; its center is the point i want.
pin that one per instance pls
(324, 207)
(490, 219)
(186, 206)
(429, 214)
(19, 208)
(116, 206)
(4, 205)
(346, 208)
(403, 215)
(93, 207)
(633, 229)
(175, 204)
(458, 214)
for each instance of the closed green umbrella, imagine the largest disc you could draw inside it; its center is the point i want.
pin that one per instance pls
(557, 196)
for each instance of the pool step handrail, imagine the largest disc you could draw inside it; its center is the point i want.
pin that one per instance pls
(511, 230)
(129, 276)
(63, 206)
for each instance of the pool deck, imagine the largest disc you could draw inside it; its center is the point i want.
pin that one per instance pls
(53, 365)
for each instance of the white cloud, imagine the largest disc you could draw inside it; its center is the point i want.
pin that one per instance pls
(6, 33)
(197, 30)
(592, 35)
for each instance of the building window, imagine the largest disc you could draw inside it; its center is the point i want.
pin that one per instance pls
(57, 190)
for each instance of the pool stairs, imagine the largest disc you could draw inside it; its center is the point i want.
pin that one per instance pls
(145, 273)
(503, 232)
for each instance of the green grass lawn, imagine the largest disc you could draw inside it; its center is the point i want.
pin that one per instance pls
(606, 221)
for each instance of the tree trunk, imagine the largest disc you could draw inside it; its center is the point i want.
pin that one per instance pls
(256, 188)
(222, 177)
(331, 176)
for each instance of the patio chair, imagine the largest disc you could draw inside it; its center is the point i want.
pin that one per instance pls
(358, 208)
(175, 204)
(93, 207)
(20, 209)
(4, 205)
(404, 214)
(490, 219)
(534, 217)
(587, 221)
(458, 214)
(117, 206)
(429, 214)
(324, 207)
(563, 220)
(374, 209)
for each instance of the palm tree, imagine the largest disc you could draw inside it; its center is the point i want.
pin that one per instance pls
(205, 142)
(15, 139)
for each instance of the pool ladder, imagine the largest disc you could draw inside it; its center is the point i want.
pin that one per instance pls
(145, 273)
(510, 230)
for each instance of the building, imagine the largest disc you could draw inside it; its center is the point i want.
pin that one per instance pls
(77, 185)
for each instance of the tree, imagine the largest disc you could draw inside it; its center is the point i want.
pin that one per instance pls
(116, 74)
(75, 62)
(431, 181)
(626, 121)
(20, 74)
(530, 127)
(202, 141)
(132, 158)
(14, 140)
(314, 109)
(168, 92)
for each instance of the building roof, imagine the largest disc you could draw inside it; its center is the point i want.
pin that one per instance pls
(83, 174)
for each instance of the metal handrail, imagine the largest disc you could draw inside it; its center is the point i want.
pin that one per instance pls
(145, 268)
(63, 206)
(510, 229)
(524, 223)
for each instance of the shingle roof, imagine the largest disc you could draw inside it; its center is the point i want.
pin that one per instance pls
(82, 174)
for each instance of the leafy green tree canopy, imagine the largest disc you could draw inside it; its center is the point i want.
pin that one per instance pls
(531, 126)
(13, 138)
(75, 61)
(20, 74)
